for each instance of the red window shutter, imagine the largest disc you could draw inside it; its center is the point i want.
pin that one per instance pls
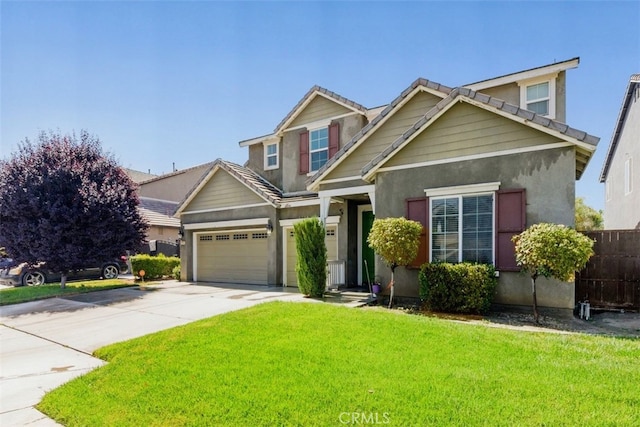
(510, 220)
(304, 153)
(334, 138)
(418, 210)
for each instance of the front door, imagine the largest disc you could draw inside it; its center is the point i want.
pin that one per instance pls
(368, 256)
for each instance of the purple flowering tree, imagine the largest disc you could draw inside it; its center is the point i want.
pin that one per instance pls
(65, 202)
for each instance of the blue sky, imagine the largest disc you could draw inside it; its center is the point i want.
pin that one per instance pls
(183, 82)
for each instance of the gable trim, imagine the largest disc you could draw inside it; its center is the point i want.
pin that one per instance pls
(226, 224)
(532, 73)
(319, 123)
(371, 128)
(318, 91)
(493, 105)
(474, 157)
(226, 208)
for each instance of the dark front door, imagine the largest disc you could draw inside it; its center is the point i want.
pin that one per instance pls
(368, 256)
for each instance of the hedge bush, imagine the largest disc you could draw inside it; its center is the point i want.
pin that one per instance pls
(457, 288)
(155, 267)
(311, 264)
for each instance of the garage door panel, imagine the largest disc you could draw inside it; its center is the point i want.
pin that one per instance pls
(234, 257)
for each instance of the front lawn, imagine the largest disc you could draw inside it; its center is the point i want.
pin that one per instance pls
(320, 365)
(32, 293)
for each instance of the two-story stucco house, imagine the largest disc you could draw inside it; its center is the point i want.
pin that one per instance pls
(622, 183)
(474, 165)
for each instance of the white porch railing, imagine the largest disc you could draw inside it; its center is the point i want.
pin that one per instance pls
(336, 276)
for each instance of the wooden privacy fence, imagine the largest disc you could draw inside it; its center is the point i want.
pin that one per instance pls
(611, 278)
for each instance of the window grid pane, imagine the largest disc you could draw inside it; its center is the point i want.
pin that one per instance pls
(318, 148)
(445, 236)
(477, 219)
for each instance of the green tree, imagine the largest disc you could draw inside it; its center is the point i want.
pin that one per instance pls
(587, 218)
(397, 241)
(311, 265)
(551, 250)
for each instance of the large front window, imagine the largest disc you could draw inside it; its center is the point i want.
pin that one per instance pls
(318, 148)
(462, 228)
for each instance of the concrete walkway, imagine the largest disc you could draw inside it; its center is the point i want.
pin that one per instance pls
(44, 344)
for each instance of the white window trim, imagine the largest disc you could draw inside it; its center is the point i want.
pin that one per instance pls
(460, 196)
(485, 187)
(628, 176)
(311, 170)
(266, 156)
(552, 93)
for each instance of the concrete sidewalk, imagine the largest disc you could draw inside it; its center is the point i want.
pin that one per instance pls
(44, 344)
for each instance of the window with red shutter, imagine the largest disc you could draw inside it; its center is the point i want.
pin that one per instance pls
(510, 220)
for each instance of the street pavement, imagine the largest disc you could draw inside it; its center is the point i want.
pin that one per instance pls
(44, 344)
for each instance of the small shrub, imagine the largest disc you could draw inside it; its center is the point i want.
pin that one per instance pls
(457, 288)
(176, 272)
(311, 265)
(155, 267)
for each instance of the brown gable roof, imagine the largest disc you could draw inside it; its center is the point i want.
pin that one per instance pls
(252, 180)
(391, 108)
(311, 93)
(634, 81)
(492, 102)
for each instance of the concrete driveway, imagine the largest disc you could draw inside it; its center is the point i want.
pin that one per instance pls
(44, 344)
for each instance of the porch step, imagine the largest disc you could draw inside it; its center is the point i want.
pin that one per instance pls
(348, 298)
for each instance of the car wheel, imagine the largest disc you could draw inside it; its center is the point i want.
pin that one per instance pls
(33, 278)
(110, 272)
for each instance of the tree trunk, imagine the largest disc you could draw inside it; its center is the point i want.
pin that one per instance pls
(536, 315)
(392, 288)
(63, 281)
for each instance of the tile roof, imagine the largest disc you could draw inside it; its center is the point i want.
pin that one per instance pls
(493, 102)
(158, 219)
(154, 178)
(138, 176)
(634, 81)
(445, 90)
(252, 180)
(159, 212)
(318, 89)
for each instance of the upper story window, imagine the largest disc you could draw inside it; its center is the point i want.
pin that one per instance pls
(539, 97)
(318, 148)
(271, 158)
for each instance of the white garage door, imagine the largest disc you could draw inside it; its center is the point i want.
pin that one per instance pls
(233, 257)
(331, 241)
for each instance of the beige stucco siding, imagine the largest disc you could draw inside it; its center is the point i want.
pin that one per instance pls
(319, 108)
(467, 130)
(221, 191)
(384, 136)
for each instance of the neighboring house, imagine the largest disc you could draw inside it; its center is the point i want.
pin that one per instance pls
(159, 214)
(138, 176)
(159, 197)
(622, 183)
(473, 169)
(173, 186)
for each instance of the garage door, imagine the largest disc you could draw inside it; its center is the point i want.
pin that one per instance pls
(233, 257)
(332, 252)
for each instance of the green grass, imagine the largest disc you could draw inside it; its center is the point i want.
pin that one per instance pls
(32, 293)
(317, 365)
